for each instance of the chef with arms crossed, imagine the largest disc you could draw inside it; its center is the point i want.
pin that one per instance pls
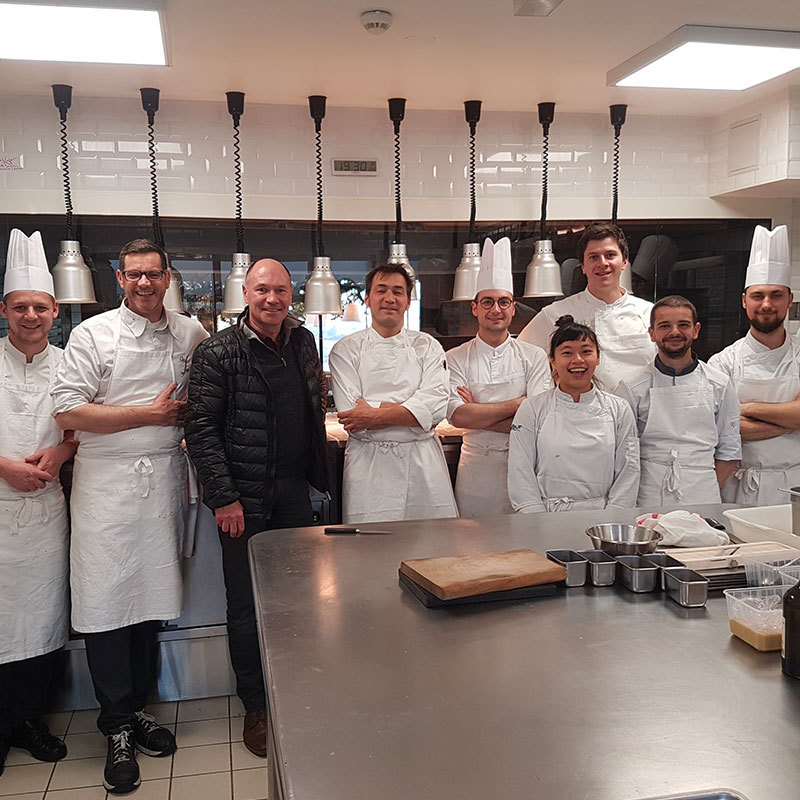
(490, 376)
(391, 389)
(34, 540)
(575, 446)
(121, 386)
(619, 319)
(686, 412)
(764, 367)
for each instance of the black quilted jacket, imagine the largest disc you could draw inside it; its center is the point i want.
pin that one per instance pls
(230, 427)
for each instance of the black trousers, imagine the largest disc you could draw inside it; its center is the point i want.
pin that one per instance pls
(123, 665)
(291, 509)
(24, 687)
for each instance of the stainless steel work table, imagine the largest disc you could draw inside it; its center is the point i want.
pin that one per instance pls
(595, 693)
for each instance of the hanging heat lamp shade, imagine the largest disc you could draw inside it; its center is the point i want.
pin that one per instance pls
(323, 295)
(173, 299)
(543, 275)
(351, 313)
(466, 280)
(618, 113)
(72, 279)
(397, 250)
(234, 296)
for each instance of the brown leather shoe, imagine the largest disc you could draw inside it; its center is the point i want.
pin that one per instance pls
(254, 733)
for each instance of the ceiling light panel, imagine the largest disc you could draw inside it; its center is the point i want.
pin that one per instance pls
(89, 33)
(706, 57)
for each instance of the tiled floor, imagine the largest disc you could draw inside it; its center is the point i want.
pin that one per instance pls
(211, 762)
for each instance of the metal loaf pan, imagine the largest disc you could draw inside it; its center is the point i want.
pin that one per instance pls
(685, 586)
(574, 563)
(602, 567)
(636, 573)
(662, 560)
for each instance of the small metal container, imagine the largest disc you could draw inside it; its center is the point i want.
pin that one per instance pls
(685, 586)
(573, 562)
(662, 560)
(602, 567)
(636, 574)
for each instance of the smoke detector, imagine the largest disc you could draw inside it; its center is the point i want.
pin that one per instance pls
(376, 21)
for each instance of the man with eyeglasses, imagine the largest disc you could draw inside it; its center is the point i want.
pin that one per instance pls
(121, 387)
(490, 376)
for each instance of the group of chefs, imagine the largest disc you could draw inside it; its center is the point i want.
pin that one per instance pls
(599, 402)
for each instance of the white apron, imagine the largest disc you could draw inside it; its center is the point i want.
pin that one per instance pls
(400, 472)
(33, 529)
(587, 443)
(770, 464)
(677, 448)
(482, 478)
(129, 501)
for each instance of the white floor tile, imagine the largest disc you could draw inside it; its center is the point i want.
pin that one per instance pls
(25, 778)
(86, 745)
(216, 786)
(206, 731)
(244, 759)
(16, 757)
(165, 713)
(75, 774)
(250, 784)
(84, 721)
(26, 796)
(209, 708)
(236, 728)
(85, 793)
(58, 722)
(151, 790)
(237, 709)
(198, 760)
(152, 768)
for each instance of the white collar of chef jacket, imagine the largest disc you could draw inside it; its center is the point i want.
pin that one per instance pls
(138, 324)
(598, 303)
(483, 347)
(19, 357)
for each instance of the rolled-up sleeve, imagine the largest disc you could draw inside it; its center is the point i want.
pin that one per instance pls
(79, 374)
(625, 488)
(523, 486)
(729, 441)
(428, 403)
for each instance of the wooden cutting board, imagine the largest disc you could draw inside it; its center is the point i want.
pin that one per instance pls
(462, 576)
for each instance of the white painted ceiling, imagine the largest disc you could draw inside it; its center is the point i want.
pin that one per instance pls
(437, 54)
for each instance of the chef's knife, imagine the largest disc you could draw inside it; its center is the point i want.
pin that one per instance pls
(342, 529)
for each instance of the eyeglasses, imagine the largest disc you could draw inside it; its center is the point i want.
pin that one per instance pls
(152, 275)
(503, 303)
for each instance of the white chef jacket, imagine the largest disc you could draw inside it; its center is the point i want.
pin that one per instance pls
(564, 454)
(760, 374)
(397, 472)
(636, 390)
(621, 329)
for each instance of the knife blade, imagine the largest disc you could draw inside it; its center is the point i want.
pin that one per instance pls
(357, 531)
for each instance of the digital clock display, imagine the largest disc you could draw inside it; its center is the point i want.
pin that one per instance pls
(355, 166)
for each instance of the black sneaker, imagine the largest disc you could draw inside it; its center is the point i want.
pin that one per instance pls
(35, 737)
(121, 774)
(152, 739)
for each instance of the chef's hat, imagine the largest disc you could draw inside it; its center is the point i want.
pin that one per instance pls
(26, 265)
(495, 271)
(769, 258)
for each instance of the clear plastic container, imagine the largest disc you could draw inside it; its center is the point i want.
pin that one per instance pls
(789, 574)
(761, 569)
(756, 615)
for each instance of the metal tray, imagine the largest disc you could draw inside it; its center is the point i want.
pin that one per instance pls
(574, 563)
(602, 567)
(637, 574)
(685, 586)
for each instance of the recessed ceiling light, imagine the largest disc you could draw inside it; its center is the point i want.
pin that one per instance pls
(100, 33)
(707, 57)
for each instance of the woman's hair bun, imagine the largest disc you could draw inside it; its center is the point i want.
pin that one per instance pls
(567, 319)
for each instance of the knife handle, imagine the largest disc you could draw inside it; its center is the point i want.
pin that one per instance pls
(340, 529)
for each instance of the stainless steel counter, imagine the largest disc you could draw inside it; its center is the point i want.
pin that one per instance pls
(595, 693)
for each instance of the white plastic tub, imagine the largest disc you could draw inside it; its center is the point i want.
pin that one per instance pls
(773, 523)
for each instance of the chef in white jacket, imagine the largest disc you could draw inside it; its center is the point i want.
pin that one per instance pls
(619, 319)
(490, 376)
(34, 588)
(765, 369)
(391, 390)
(574, 446)
(686, 413)
(121, 386)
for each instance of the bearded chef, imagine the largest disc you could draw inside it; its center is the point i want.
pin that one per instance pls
(765, 369)
(33, 514)
(490, 376)
(686, 412)
(619, 318)
(391, 390)
(121, 386)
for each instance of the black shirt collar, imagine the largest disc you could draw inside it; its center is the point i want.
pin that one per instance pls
(662, 367)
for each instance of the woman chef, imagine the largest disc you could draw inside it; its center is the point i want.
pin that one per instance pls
(33, 516)
(574, 446)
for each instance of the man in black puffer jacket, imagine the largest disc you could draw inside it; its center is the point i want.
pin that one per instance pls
(255, 431)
